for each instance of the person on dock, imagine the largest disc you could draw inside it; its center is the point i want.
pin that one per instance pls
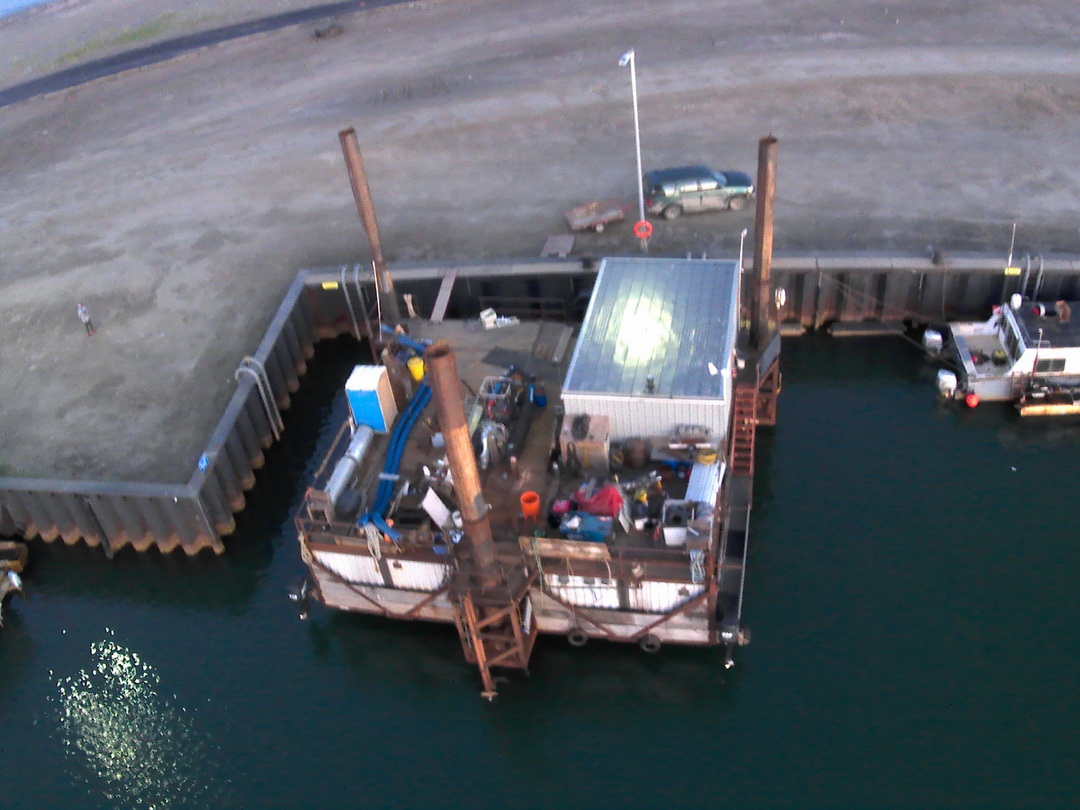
(84, 316)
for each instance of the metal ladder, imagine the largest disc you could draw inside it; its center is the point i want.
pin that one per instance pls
(743, 428)
(251, 366)
(366, 311)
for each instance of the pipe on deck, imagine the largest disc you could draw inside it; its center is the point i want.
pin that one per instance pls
(443, 376)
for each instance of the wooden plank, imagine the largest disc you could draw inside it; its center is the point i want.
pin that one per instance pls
(564, 341)
(442, 300)
(564, 549)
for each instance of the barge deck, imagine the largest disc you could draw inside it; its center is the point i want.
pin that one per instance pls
(598, 511)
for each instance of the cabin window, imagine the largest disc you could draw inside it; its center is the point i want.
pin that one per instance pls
(1050, 366)
(1012, 343)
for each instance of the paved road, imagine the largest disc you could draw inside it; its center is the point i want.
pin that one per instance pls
(160, 51)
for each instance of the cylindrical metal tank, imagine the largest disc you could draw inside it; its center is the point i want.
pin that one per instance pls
(345, 469)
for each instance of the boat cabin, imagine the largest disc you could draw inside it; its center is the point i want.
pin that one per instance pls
(1024, 347)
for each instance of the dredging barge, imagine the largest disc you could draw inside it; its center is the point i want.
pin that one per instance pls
(512, 487)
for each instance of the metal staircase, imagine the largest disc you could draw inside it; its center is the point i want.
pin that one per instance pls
(744, 427)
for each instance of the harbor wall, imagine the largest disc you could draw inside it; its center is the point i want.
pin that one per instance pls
(846, 289)
(325, 303)
(196, 515)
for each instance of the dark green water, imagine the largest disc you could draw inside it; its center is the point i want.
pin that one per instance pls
(912, 598)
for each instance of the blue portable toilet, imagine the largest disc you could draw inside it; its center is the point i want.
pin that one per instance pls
(371, 399)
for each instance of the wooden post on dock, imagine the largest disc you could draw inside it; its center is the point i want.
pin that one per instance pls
(763, 317)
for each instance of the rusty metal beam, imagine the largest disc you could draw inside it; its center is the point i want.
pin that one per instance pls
(478, 649)
(763, 322)
(384, 283)
(352, 586)
(685, 606)
(427, 600)
(443, 375)
(577, 613)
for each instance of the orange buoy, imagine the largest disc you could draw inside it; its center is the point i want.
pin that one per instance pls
(972, 400)
(530, 505)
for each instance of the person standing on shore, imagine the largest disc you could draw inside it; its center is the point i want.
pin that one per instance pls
(84, 316)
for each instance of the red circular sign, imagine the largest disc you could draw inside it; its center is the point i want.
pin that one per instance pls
(643, 229)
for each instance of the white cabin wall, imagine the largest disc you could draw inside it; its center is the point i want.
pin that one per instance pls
(1026, 363)
(356, 568)
(650, 416)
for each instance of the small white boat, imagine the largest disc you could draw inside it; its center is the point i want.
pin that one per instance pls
(1027, 353)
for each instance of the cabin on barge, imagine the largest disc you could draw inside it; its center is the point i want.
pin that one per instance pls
(1027, 353)
(535, 478)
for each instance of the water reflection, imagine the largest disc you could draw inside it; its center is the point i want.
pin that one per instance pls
(130, 742)
(598, 677)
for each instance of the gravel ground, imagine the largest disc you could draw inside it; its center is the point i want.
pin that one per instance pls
(178, 201)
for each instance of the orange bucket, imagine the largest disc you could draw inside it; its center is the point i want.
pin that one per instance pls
(530, 505)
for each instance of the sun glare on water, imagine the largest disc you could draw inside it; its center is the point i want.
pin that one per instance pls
(138, 747)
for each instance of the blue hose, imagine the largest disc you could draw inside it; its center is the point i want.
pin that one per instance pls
(405, 340)
(398, 439)
(397, 446)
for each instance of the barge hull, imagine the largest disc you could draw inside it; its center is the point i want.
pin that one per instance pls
(687, 624)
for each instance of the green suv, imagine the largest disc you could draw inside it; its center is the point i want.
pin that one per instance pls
(671, 192)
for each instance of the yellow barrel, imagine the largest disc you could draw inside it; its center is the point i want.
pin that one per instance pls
(416, 368)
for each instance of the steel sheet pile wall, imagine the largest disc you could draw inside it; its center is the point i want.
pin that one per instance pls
(319, 304)
(196, 515)
(820, 290)
(330, 302)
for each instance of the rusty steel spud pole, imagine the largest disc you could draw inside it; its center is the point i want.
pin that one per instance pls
(354, 162)
(443, 376)
(763, 317)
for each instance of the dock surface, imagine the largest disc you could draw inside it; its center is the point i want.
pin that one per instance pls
(178, 201)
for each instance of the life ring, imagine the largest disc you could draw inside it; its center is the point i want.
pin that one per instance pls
(650, 644)
(577, 637)
(643, 229)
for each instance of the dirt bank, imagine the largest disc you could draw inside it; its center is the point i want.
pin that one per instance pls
(178, 201)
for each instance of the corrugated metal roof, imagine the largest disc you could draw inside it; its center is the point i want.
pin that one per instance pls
(665, 318)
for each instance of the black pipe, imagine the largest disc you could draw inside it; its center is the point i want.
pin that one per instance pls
(521, 427)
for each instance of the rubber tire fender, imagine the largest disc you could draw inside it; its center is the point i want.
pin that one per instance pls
(650, 644)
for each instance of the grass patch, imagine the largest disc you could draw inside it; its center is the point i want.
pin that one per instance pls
(117, 40)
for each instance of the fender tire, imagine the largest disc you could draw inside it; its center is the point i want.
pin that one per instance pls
(650, 644)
